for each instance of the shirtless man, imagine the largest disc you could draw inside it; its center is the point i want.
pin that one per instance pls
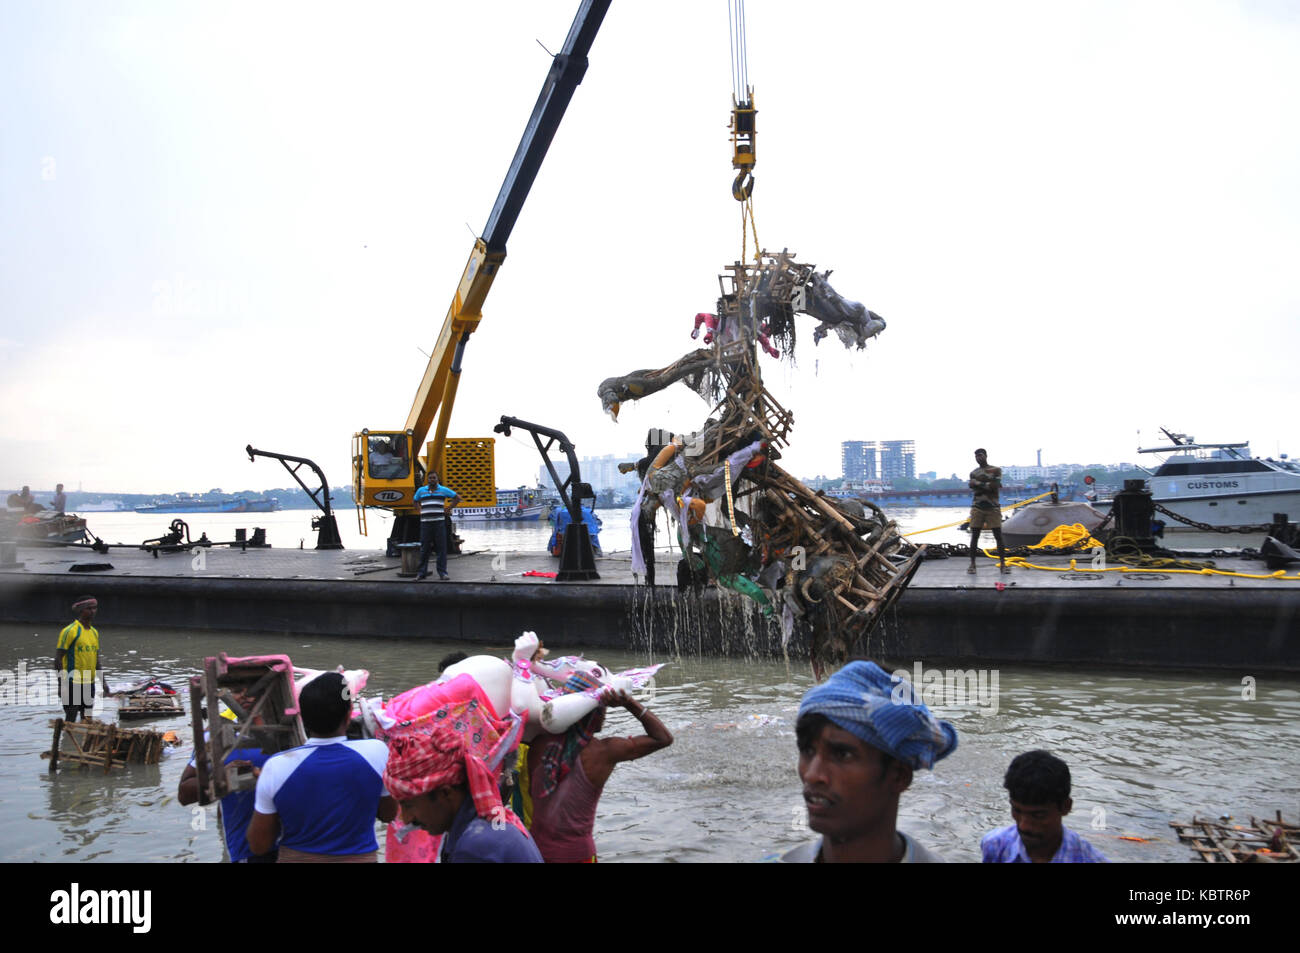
(568, 772)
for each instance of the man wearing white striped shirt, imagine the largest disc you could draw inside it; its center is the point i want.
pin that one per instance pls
(434, 498)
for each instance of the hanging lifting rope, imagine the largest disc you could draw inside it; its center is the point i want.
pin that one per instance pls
(743, 155)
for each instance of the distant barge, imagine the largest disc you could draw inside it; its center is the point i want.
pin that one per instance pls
(196, 504)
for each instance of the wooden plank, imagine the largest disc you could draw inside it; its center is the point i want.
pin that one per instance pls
(54, 748)
(108, 747)
(1213, 839)
(832, 512)
(200, 746)
(862, 563)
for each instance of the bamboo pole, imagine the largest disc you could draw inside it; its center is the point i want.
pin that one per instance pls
(54, 748)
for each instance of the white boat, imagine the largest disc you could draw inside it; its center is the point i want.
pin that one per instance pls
(513, 506)
(1221, 484)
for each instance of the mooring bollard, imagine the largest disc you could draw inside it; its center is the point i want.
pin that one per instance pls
(410, 559)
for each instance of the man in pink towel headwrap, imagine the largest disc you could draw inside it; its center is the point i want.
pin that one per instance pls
(445, 789)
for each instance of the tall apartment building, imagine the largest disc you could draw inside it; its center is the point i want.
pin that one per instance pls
(897, 459)
(601, 472)
(859, 460)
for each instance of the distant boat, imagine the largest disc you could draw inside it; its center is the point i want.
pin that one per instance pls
(1220, 483)
(266, 504)
(44, 527)
(194, 504)
(513, 506)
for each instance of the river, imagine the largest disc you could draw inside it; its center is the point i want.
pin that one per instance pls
(292, 528)
(1143, 750)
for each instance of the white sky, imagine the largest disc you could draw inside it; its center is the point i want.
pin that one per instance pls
(238, 223)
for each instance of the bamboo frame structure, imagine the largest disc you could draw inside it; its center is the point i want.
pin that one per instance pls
(1263, 841)
(272, 723)
(103, 744)
(840, 567)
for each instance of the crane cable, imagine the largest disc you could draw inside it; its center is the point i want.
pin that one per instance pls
(742, 128)
(739, 50)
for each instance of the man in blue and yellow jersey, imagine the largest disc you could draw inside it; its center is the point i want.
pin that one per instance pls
(77, 660)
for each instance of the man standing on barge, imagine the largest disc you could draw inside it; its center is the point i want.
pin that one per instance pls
(433, 499)
(985, 511)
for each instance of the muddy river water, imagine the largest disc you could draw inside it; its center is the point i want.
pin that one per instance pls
(1143, 750)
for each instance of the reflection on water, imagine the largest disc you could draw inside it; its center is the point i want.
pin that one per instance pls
(1143, 750)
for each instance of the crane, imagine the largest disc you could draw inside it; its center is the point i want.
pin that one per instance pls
(386, 466)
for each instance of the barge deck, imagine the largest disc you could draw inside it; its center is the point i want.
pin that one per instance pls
(1056, 616)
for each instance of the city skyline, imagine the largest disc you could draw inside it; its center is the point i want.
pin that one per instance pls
(603, 470)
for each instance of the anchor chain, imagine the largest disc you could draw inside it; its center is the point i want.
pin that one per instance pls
(1206, 527)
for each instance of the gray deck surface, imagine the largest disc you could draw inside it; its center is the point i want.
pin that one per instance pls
(615, 569)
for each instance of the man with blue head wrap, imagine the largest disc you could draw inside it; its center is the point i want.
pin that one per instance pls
(861, 734)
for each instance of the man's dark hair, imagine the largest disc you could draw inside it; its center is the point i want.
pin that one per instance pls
(981, 450)
(1038, 777)
(451, 658)
(809, 728)
(325, 702)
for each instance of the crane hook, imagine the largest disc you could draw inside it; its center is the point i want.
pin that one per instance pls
(743, 187)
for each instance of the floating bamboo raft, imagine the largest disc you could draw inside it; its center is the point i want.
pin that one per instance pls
(100, 744)
(1263, 841)
(135, 707)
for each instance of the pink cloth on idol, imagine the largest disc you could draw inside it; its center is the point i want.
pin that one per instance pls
(410, 705)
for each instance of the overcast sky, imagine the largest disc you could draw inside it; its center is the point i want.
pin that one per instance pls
(241, 222)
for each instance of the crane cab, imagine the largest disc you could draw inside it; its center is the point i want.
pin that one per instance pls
(385, 473)
(384, 470)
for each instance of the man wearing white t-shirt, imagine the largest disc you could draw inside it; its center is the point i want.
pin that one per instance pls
(323, 798)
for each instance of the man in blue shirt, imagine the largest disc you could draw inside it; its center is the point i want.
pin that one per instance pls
(323, 798)
(433, 499)
(236, 807)
(1039, 785)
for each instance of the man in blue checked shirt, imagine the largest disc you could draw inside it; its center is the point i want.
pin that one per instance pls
(1039, 785)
